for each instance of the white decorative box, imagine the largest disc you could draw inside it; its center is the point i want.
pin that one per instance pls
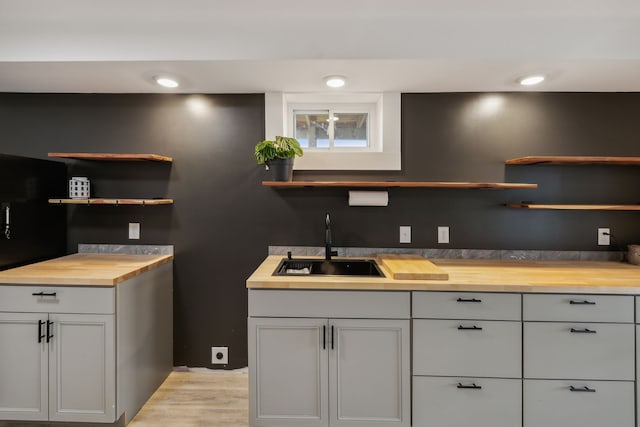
(79, 187)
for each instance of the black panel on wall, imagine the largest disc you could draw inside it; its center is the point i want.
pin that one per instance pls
(223, 219)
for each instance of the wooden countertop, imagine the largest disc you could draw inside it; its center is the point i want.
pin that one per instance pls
(83, 269)
(482, 275)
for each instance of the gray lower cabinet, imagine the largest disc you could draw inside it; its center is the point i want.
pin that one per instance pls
(578, 403)
(84, 354)
(58, 367)
(463, 401)
(334, 372)
(579, 360)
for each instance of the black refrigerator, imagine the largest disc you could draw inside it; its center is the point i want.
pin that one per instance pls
(31, 229)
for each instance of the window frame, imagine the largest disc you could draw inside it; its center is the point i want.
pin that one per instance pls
(386, 156)
(373, 142)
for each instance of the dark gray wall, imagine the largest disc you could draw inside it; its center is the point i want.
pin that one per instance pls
(223, 219)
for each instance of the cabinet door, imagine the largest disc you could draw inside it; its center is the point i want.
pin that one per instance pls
(288, 378)
(82, 368)
(369, 374)
(23, 367)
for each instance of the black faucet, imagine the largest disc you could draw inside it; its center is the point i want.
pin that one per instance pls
(328, 253)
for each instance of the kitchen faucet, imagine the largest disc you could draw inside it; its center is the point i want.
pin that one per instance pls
(327, 239)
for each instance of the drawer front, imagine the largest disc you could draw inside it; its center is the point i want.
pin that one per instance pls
(552, 350)
(466, 305)
(578, 308)
(467, 348)
(345, 304)
(84, 300)
(456, 402)
(552, 403)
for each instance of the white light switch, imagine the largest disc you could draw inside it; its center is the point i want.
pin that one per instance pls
(134, 230)
(604, 235)
(443, 234)
(405, 234)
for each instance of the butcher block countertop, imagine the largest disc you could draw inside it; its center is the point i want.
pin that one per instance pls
(481, 275)
(83, 269)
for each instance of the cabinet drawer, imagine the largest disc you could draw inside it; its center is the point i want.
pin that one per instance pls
(466, 305)
(348, 304)
(461, 348)
(66, 299)
(598, 351)
(578, 308)
(553, 403)
(456, 402)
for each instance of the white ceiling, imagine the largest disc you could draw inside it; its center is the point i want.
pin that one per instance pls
(248, 46)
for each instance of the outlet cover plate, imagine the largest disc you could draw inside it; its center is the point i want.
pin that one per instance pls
(443, 234)
(405, 234)
(134, 230)
(220, 355)
(604, 236)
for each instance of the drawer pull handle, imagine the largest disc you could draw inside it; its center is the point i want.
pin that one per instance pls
(582, 389)
(44, 294)
(582, 331)
(583, 302)
(473, 386)
(468, 300)
(332, 340)
(40, 335)
(49, 330)
(324, 337)
(469, 328)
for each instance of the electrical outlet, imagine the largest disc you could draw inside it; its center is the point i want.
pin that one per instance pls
(134, 230)
(220, 355)
(604, 236)
(443, 234)
(405, 234)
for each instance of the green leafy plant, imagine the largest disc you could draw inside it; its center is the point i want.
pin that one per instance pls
(282, 148)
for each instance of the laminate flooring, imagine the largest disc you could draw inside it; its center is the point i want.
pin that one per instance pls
(189, 398)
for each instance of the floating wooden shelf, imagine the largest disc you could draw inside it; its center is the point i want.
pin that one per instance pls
(113, 157)
(394, 184)
(140, 202)
(576, 207)
(574, 160)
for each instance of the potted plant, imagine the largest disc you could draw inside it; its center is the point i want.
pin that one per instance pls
(278, 155)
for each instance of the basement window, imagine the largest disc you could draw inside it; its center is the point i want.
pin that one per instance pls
(338, 132)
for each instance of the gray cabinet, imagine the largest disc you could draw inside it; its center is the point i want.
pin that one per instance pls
(467, 370)
(82, 368)
(460, 401)
(288, 372)
(56, 367)
(326, 371)
(24, 361)
(67, 354)
(579, 355)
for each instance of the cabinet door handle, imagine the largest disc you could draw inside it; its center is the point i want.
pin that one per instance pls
(332, 341)
(473, 386)
(49, 330)
(583, 302)
(468, 300)
(582, 331)
(582, 389)
(469, 328)
(324, 337)
(44, 294)
(40, 335)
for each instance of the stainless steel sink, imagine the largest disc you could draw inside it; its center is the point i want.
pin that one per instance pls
(335, 267)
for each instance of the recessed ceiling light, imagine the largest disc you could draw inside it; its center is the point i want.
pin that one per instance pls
(166, 81)
(335, 81)
(531, 80)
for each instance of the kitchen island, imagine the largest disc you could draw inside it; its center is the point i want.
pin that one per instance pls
(85, 338)
(500, 343)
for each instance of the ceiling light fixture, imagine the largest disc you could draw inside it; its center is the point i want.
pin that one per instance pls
(165, 81)
(335, 81)
(531, 80)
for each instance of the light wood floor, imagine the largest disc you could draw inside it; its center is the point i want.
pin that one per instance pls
(195, 398)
